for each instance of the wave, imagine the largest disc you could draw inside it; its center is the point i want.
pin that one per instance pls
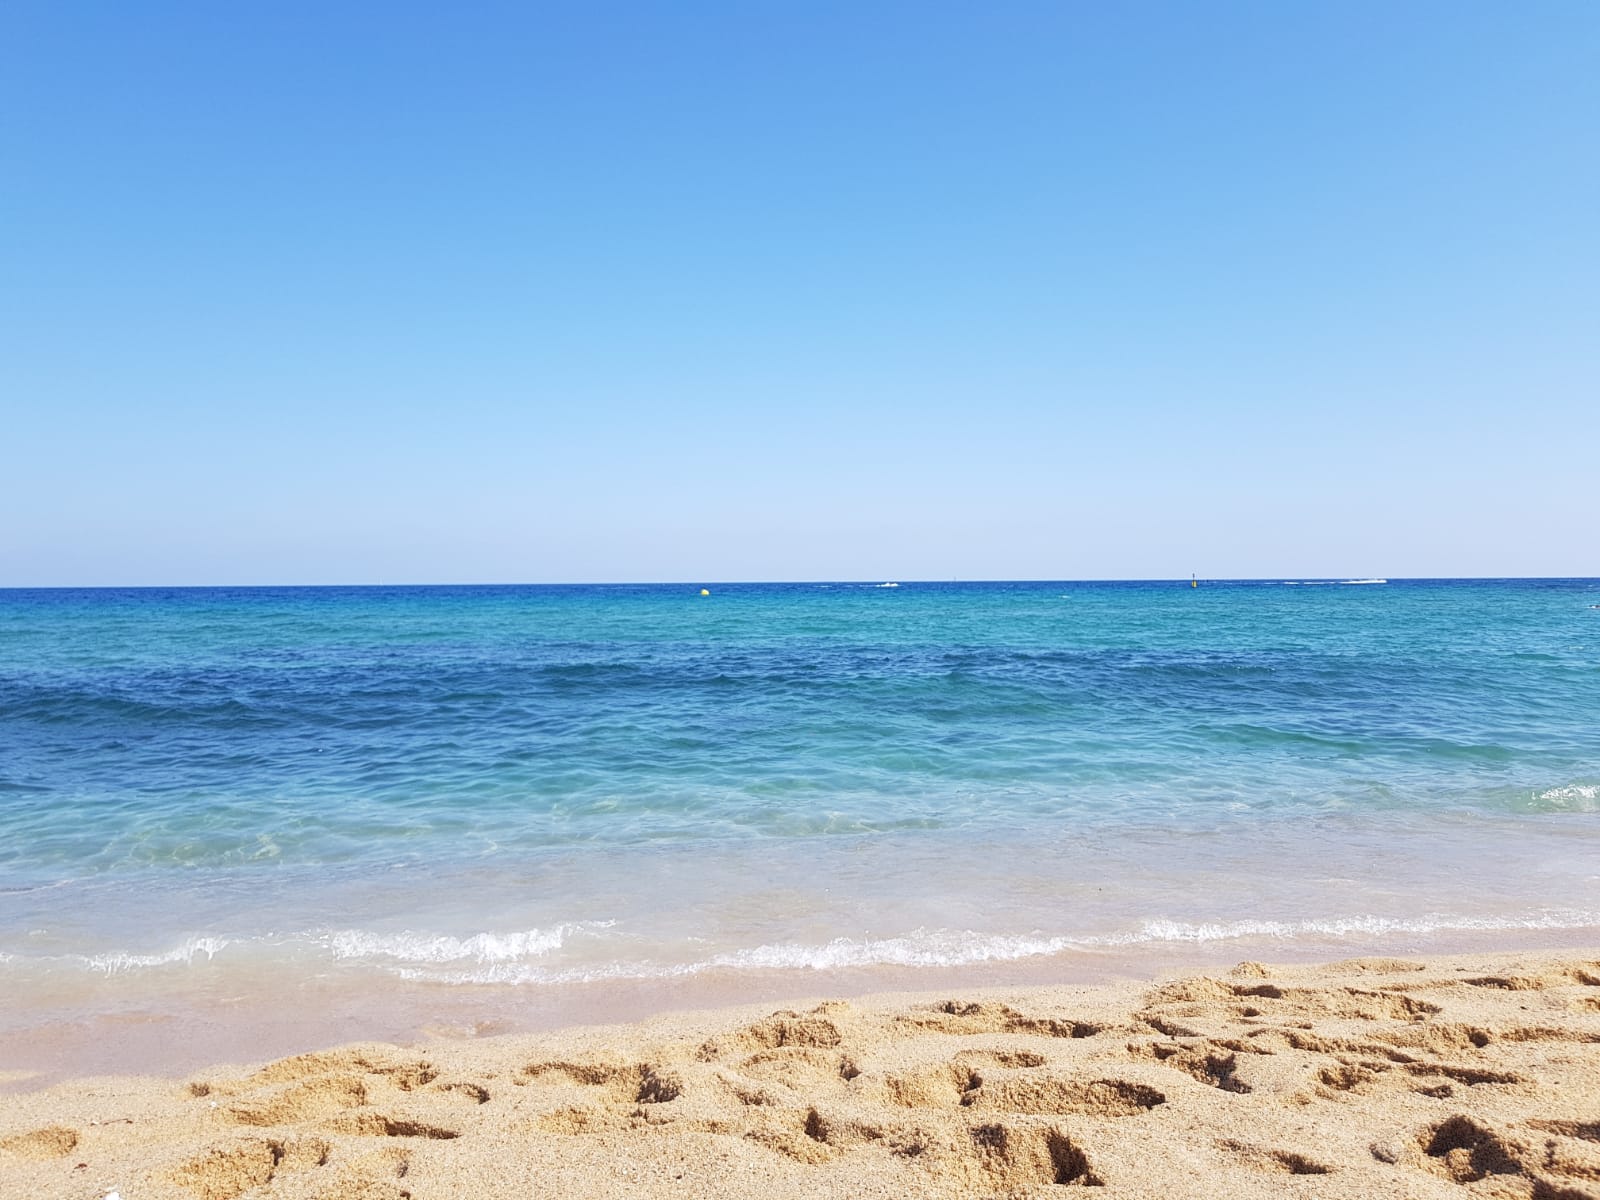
(531, 956)
(480, 947)
(1573, 797)
(958, 948)
(1575, 791)
(184, 954)
(1181, 931)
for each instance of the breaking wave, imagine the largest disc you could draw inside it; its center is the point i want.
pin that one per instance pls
(535, 956)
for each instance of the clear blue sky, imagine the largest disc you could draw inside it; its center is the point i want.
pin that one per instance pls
(309, 292)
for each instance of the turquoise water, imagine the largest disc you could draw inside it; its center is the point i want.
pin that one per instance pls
(540, 785)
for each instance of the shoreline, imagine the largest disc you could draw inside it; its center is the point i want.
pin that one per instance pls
(176, 1022)
(1382, 1076)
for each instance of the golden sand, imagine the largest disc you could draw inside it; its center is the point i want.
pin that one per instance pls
(1445, 1077)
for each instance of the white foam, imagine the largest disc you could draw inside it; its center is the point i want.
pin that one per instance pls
(185, 954)
(1180, 931)
(531, 956)
(922, 948)
(1575, 791)
(1575, 797)
(955, 948)
(411, 947)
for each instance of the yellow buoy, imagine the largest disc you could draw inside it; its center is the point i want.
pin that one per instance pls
(705, 591)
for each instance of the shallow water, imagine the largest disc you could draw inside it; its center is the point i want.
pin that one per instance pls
(548, 788)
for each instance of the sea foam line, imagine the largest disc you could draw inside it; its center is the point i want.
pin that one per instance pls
(525, 956)
(480, 947)
(955, 948)
(118, 962)
(1571, 792)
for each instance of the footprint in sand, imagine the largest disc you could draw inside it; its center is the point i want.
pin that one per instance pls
(1566, 975)
(1024, 1156)
(967, 1018)
(377, 1124)
(54, 1141)
(636, 1083)
(1056, 1096)
(1279, 1162)
(1213, 1063)
(230, 1170)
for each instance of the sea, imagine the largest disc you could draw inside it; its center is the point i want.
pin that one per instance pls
(251, 820)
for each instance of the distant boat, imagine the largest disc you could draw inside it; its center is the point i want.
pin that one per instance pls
(1366, 581)
(888, 585)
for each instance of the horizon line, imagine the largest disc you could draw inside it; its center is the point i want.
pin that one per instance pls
(868, 581)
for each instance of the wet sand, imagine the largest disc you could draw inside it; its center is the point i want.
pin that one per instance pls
(1471, 1075)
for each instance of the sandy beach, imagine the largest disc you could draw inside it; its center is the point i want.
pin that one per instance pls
(729, 601)
(1472, 1075)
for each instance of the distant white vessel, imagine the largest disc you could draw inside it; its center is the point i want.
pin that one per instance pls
(1366, 581)
(888, 585)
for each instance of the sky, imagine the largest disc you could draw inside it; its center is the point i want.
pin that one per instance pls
(409, 293)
